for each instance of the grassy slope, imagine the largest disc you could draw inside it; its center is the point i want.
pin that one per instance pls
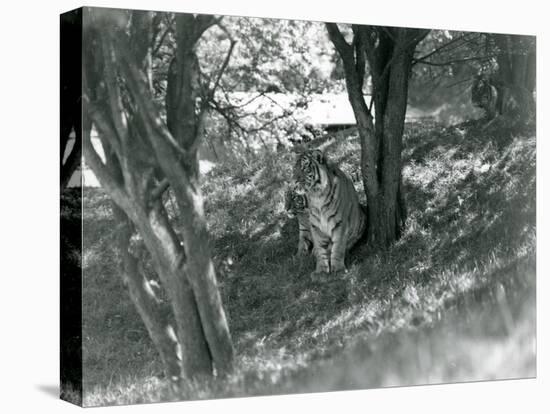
(453, 300)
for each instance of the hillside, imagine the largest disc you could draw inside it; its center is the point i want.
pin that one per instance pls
(452, 300)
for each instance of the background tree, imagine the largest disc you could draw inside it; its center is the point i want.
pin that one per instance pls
(450, 61)
(515, 75)
(389, 52)
(443, 73)
(148, 150)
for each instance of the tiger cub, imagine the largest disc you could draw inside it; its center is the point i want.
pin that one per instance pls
(296, 206)
(336, 218)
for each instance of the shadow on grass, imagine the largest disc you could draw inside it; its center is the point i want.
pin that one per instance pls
(472, 218)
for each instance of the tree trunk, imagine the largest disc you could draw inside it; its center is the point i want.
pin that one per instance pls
(515, 78)
(183, 175)
(143, 158)
(393, 204)
(145, 301)
(200, 270)
(389, 52)
(196, 356)
(166, 255)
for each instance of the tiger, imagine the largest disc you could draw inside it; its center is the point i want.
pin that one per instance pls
(336, 218)
(499, 98)
(296, 205)
(485, 96)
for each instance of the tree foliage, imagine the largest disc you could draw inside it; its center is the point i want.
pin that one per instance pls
(275, 68)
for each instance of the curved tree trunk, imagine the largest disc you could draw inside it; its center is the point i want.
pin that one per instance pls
(146, 302)
(143, 158)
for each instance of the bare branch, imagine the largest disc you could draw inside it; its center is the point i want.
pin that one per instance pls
(144, 101)
(451, 85)
(451, 62)
(222, 69)
(445, 46)
(232, 122)
(159, 190)
(242, 105)
(203, 22)
(264, 125)
(286, 112)
(224, 29)
(161, 40)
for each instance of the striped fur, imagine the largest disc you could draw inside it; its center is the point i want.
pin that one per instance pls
(335, 215)
(296, 206)
(485, 96)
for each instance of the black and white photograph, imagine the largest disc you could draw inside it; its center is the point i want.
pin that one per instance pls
(257, 206)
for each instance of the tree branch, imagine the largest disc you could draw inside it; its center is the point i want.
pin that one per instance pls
(232, 44)
(450, 62)
(242, 105)
(443, 46)
(145, 106)
(112, 91)
(159, 190)
(415, 36)
(402, 48)
(222, 69)
(202, 23)
(231, 123)
(344, 48)
(161, 40)
(360, 54)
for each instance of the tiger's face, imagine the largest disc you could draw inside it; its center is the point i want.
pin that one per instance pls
(295, 203)
(309, 172)
(482, 92)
